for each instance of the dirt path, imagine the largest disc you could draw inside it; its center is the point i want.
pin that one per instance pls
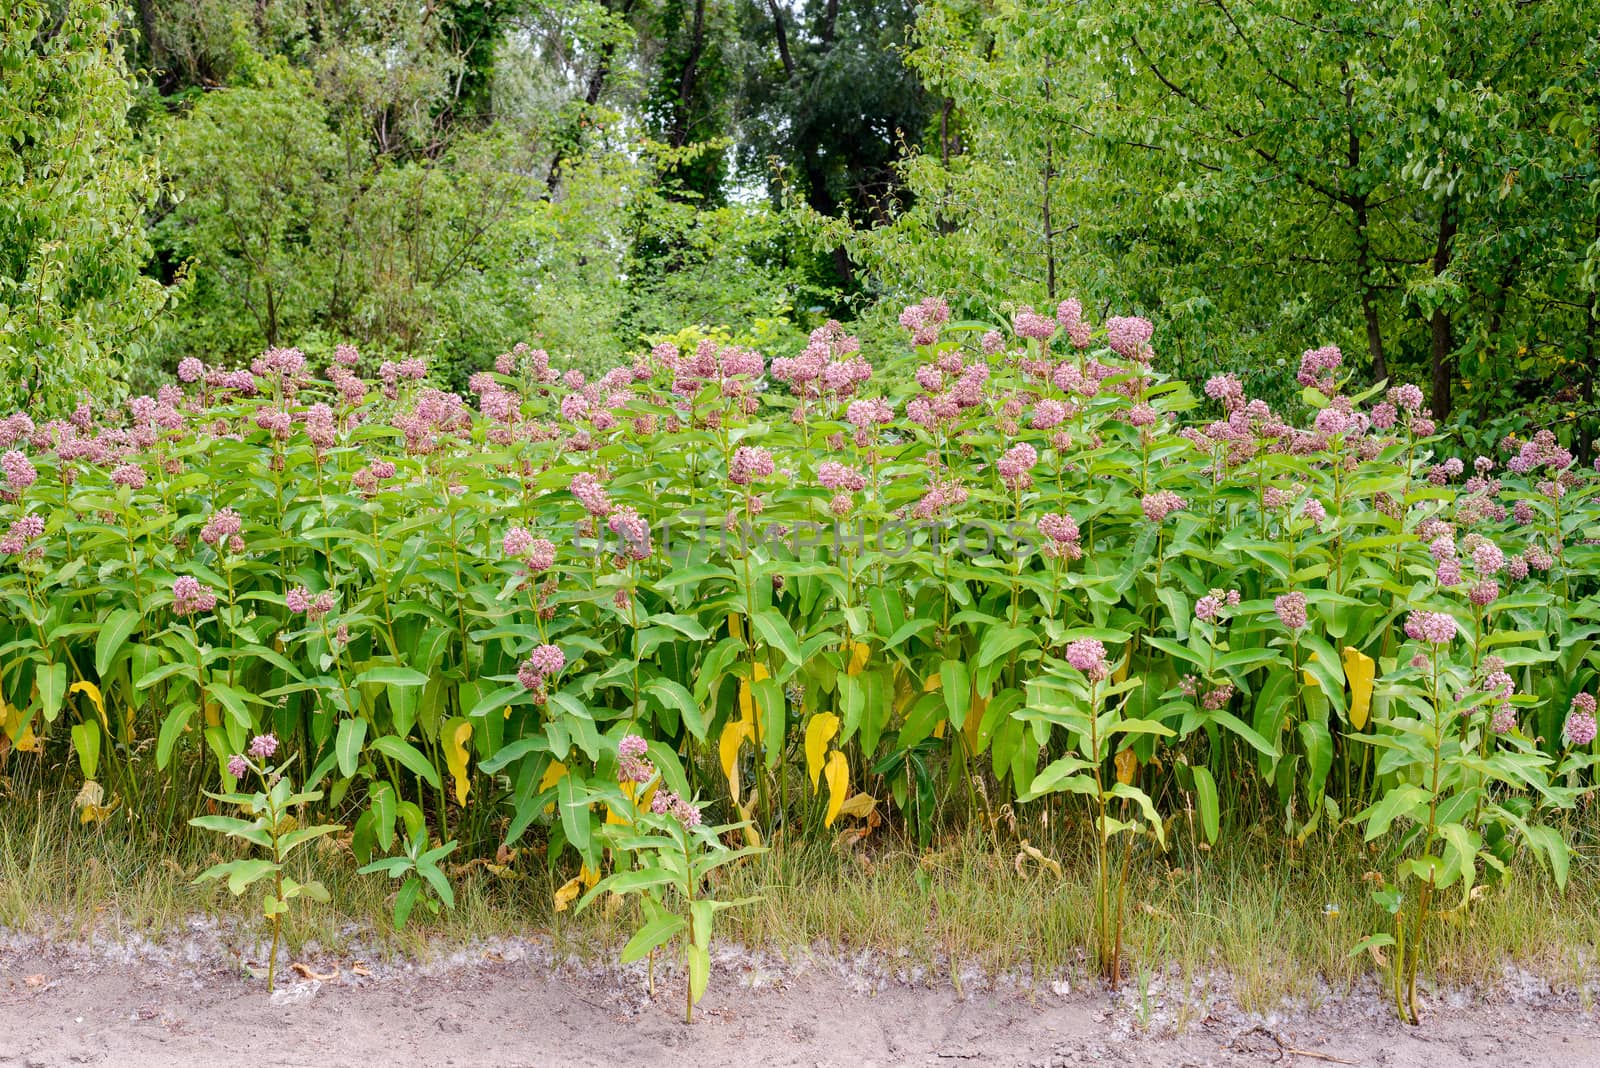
(511, 1005)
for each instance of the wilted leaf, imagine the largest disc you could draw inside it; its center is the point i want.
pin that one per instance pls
(837, 772)
(1127, 763)
(860, 653)
(734, 735)
(1360, 670)
(567, 893)
(94, 695)
(819, 732)
(861, 806)
(1032, 852)
(456, 734)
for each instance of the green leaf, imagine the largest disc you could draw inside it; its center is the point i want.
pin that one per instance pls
(574, 812)
(408, 755)
(113, 633)
(171, 730)
(778, 634)
(1205, 789)
(957, 689)
(86, 741)
(52, 689)
(392, 675)
(674, 695)
(233, 701)
(657, 932)
(348, 744)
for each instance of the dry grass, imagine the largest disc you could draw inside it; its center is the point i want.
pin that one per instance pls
(1279, 922)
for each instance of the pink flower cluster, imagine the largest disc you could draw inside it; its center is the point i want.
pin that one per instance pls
(1580, 726)
(542, 663)
(537, 554)
(1436, 628)
(837, 476)
(1291, 609)
(1030, 324)
(1069, 313)
(19, 471)
(1209, 607)
(749, 463)
(1062, 530)
(1016, 466)
(1317, 367)
(631, 763)
(667, 803)
(189, 597)
(369, 479)
(222, 530)
(20, 534)
(1160, 504)
(590, 493)
(1088, 655)
(924, 319)
(1541, 450)
(1129, 337)
(300, 601)
(632, 530)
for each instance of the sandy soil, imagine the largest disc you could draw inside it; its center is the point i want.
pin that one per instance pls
(183, 1003)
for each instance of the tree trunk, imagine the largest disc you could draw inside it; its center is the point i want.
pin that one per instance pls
(1049, 173)
(1369, 292)
(1441, 336)
(1586, 391)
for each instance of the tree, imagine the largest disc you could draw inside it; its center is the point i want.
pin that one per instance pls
(73, 189)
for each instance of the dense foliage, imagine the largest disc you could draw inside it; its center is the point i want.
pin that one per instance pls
(445, 180)
(817, 590)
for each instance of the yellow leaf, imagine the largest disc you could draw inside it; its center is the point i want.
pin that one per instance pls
(837, 772)
(938, 729)
(859, 654)
(1311, 680)
(1121, 673)
(860, 806)
(29, 742)
(747, 701)
(568, 893)
(933, 684)
(455, 757)
(1127, 763)
(734, 630)
(589, 875)
(752, 837)
(1361, 671)
(733, 736)
(819, 732)
(552, 775)
(94, 695)
(974, 724)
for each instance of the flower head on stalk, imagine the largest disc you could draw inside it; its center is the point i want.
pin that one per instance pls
(667, 803)
(1580, 728)
(299, 601)
(1088, 655)
(631, 763)
(1062, 530)
(544, 662)
(1435, 628)
(1291, 609)
(190, 597)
